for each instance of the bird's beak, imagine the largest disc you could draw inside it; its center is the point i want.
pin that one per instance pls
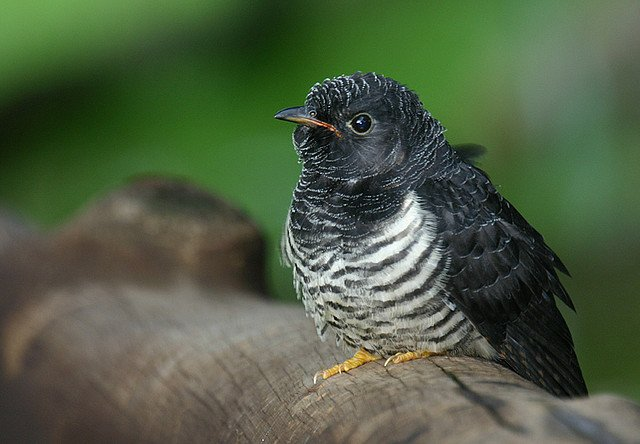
(300, 116)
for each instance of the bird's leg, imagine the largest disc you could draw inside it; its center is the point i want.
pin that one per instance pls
(360, 357)
(409, 356)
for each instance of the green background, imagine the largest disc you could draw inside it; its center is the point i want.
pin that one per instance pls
(92, 93)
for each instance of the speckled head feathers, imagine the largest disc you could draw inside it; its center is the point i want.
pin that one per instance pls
(340, 92)
(399, 134)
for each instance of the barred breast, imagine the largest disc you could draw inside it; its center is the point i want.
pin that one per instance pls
(382, 291)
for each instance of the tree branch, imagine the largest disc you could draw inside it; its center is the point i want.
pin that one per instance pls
(143, 320)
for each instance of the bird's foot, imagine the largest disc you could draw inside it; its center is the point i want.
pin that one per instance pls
(409, 356)
(360, 357)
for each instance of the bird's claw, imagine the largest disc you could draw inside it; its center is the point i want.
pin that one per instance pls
(408, 356)
(391, 358)
(359, 358)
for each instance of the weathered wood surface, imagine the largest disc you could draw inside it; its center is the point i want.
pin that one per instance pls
(143, 320)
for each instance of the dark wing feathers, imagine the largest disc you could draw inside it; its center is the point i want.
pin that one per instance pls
(469, 152)
(503, 276)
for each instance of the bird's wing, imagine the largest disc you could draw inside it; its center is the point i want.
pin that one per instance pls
(503, 277)
(469, 152)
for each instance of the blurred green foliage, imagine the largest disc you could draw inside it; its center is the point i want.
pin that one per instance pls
(92, 93)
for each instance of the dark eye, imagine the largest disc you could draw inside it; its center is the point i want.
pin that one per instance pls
(361, 124)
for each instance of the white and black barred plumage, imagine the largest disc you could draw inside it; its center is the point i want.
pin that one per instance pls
(398, 244)
(384, 292)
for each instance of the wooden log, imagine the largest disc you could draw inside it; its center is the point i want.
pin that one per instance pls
(143, 320)
(13, 231)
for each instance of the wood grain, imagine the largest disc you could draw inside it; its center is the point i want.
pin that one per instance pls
(143, 320)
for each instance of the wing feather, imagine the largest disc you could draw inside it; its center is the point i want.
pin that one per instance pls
(504, 278)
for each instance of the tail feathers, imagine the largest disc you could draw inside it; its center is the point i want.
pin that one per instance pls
(551, 365)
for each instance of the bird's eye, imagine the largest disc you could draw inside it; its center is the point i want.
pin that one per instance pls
(312, 113)
(361, 124)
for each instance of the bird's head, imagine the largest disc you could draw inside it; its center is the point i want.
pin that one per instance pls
(364, 126)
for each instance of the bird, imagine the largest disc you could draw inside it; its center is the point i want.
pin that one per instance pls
(402, 248)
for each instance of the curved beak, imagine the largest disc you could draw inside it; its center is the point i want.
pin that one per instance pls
(300, 116)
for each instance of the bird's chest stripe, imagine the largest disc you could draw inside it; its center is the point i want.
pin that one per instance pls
(392, 271)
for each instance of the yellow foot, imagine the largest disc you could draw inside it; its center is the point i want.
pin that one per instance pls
(409, 356)
(361, 357)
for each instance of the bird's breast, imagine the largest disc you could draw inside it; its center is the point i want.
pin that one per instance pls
(383, 289)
